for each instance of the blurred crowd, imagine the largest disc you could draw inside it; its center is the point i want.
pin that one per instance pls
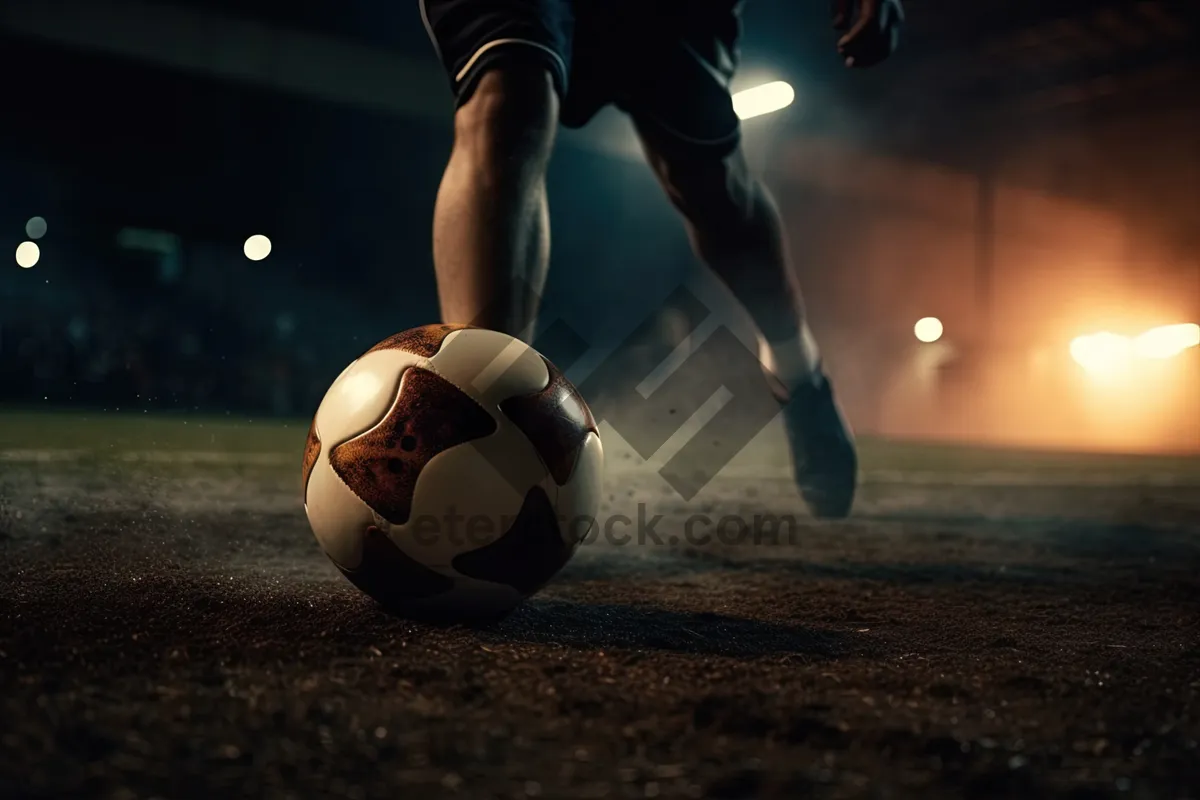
(115, 350)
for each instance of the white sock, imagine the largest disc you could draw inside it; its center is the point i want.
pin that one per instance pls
(791, 360)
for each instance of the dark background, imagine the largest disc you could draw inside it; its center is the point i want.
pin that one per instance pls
(1023, 170)
(987, 624)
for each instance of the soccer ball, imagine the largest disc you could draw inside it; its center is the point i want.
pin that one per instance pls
(451, 471)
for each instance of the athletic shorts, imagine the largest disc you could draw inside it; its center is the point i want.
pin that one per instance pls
(666, 63)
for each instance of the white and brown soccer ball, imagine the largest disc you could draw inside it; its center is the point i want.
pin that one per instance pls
(451, 471)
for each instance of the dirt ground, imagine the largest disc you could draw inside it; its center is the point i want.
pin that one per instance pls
(172, 630)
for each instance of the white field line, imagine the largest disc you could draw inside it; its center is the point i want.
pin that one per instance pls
(41, 456)
(29, 456)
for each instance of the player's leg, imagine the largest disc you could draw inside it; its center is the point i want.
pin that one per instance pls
(491, 232)
(677, 91)
(491, 224)
(735, 230)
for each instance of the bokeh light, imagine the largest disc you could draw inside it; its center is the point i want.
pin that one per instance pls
(928, 329)
(28, 254)
(35, 228)
(257, 247)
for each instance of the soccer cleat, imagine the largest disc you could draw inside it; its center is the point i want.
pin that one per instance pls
(824, 458)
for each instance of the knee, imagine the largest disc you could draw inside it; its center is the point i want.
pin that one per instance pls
(510, 119)
(713, 194)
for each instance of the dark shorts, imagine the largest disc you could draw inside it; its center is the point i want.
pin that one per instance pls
(667, 63)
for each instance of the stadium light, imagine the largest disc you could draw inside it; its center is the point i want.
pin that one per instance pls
(28, 254)
(1107, 353)
(257, 247)
(1102, 354)
(763, 99)
(928, 329)
(35, 228)
(1167, 341)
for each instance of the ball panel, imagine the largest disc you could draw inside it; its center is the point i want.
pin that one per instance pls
(312, 448)
(468, 496)
(529, 553)
(362, 395)
(430, 415)
(579, 498)
(556, 420)
(391, 577)
(336, 515)
(490, 366)
(423, 341)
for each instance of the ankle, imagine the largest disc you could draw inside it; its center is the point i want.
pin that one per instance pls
(790, 361)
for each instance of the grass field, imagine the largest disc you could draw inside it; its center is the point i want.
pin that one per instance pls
(988, 624)
(33, 436)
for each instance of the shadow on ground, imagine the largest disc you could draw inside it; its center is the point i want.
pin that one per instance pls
(121, 616)
(633, 627)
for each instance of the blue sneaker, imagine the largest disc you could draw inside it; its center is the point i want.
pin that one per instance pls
(824, 458)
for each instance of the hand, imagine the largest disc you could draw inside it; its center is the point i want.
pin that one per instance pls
(873, 35)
